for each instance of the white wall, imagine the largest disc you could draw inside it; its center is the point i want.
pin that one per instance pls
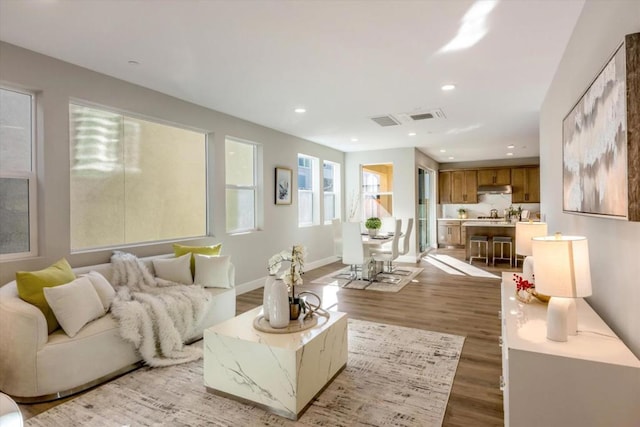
(57, 82)
(614, 246)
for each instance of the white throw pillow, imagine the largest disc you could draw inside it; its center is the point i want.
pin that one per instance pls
(74, 304)
(212, 271)
(103, 288)
(174, 269)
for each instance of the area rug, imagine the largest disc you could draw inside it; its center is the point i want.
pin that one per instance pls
(455, 266)
(386, 282)
(395, 376)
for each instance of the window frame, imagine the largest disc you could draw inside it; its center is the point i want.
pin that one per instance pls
(155, 120)
(336, 191)
(255, 187)
(314, 192)
(31, 176)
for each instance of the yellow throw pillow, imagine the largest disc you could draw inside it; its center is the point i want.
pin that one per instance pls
(180, 250)
(31, 283)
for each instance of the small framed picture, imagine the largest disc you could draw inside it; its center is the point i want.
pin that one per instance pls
(283, 186)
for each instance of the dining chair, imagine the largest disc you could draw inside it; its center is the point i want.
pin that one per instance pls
(352, 248)
(388, 225)
(385, 256)
(406, 240)
(336, 226)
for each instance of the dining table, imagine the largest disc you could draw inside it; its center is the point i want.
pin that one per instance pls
(371, 268)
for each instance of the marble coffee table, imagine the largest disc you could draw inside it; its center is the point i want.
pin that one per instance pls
(282, 373)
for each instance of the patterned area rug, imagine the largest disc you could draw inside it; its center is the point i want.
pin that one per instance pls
(385, 282)
(395, 376)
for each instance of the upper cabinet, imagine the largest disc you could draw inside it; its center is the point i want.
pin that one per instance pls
(464, 186)
(444, 187)
(494, 176)
(526, 185)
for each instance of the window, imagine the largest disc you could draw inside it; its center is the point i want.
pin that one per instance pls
(377, 190)
(133, 180)
(331, 187)
(308, 191)
(241, 185)
(17, 176)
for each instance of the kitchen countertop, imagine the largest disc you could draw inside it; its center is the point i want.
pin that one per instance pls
(484, 223)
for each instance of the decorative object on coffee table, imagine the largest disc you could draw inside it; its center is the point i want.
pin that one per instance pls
(292, 276)
(278, 305)
(266, 294)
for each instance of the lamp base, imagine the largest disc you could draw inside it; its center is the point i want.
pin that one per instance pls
(561, 319)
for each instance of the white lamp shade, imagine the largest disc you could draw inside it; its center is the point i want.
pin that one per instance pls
(562, 266)
(525, 231)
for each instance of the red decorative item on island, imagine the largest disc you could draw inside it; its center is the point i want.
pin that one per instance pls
(526, 291)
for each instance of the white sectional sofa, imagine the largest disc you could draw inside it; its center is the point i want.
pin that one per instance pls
(35, 366)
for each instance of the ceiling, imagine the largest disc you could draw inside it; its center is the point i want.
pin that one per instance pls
(343, 61)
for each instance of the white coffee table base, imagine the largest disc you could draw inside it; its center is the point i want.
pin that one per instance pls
(282, 373)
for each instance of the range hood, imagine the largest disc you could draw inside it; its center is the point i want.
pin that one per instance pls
(494, 189)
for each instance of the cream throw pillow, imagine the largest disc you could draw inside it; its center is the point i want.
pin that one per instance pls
(74, 304)
(174, 269)
(103, 288)
(212, 271)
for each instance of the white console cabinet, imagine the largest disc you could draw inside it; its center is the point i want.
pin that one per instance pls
(593, 379)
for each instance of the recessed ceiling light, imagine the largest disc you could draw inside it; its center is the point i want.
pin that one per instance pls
(133, 62)
(300, 110)
(443, 150)
(354, 139)
(448, 87)
(509, 154)
(511, 146)
(412, 134)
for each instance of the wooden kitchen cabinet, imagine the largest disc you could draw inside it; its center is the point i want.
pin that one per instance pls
(526, 185)
(449, 233)
(494, 176)
(444, 187)
(464, 186)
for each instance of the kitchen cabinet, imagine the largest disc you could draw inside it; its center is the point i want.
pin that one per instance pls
(444, 187)
(494, 176)
(591, 380)
(525, 183)
(464, 186)
(449, 233)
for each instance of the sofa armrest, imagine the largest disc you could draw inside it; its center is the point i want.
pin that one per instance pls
(232, 275)
(23, 332)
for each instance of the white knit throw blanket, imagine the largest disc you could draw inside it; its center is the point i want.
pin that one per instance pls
(156, 315)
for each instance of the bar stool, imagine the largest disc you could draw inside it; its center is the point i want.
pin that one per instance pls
(502, 240)
(479, 241)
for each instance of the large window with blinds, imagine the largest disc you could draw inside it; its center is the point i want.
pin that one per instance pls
(133, 180)
(18, 183)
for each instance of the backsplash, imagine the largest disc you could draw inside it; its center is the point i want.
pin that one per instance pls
(486, 202)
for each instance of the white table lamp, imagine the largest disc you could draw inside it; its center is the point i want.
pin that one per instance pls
(525, 231)
(562, 272)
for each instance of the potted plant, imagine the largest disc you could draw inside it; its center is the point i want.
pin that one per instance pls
(373, 224)
(462, 213)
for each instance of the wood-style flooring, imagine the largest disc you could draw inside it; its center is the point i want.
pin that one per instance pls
(438, 301)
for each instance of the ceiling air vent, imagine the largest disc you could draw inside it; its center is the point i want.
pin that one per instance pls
(385, 120)
(425, 115)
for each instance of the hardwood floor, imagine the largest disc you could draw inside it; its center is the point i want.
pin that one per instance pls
(437, 301)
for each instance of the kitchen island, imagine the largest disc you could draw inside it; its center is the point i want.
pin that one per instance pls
(489, 229)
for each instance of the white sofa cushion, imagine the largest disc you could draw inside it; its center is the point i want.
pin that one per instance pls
(103, 288)
(174, 269)
(212, 271)
(74, 304)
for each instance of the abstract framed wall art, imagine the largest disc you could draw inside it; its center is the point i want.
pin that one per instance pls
(283, 186)
(601, 141)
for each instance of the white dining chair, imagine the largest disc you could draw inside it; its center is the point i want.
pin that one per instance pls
(352, 249)
(406, 240)
(388, 225)
(385, 256)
